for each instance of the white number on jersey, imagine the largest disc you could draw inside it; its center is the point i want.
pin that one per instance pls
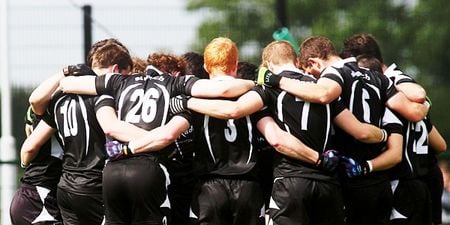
(146, 103)
(68, 110)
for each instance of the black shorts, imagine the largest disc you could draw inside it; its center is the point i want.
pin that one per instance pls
(34, 205)
(435, 183)
(135, 191)
(297, 200)
(369, 205)
(80, 209)
(412, 203)
(221, 201)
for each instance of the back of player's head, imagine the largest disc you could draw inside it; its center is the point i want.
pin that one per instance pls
(221, 54)
(108, 52)
(194, 64)
(315, 47)
(369, 62)
(279, 53)
(361, 44)
(139, 65)
(246, 70)
(167, 63)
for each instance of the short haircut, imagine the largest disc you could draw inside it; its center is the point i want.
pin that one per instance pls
(246, 70)
(315, 47)
(108, 52)
(167, 63)
(194, 64)
(279, 52)
(369, 62)
(361, 44)
(221, 54)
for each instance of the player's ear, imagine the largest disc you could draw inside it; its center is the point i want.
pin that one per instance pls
(115, 68)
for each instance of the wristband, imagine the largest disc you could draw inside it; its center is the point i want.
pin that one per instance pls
(384, 136)
(370, 165)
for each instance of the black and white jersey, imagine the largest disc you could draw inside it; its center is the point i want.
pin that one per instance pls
(224, 147)
(364, 92)
(74, 117)
(418, 157)
(309, 122)
(143, 99)
(45, 169)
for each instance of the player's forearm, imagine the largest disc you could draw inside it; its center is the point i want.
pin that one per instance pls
(436, 141)
(308, 91)
(41, 96)
(220, 109)
(391, 156)
(285, 143)
(160, 137)
(363, 132)
(123, 131)
(78, 85)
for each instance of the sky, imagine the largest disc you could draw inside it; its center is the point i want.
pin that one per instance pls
(45, 35)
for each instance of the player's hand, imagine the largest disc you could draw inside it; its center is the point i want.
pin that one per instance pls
(267, 78)
(78, 70)
(354, 168)
(117, 150)
(178, 104)
(329, 160)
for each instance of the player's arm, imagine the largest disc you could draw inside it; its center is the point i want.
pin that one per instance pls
(78, 85)
(205, 88)
(363, 132)
(391, 156)
(284, 142)
(412, 111)
(413, 91)
(160, 137)
(40, 97)
(436, 141)
(115, 128)
(322, 92)
(247, 104)
(30, 148)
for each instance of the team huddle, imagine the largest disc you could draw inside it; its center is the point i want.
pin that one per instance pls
(311, 137)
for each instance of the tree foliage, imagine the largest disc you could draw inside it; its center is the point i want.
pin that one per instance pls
(413, 34)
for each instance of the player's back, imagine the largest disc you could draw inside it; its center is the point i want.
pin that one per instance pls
(74, 116)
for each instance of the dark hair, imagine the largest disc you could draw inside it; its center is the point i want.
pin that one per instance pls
(315, 47)
(194, 64)
(361, 44)
(167, 63)
(246, 70)
(369, 62)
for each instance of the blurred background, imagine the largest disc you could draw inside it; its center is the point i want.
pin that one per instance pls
(45, 35)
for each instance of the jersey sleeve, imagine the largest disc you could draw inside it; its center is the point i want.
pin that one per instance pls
(333, 74)
(108, 83)
(337, 106)
(104, 100)
(185, 84)
(391, 123)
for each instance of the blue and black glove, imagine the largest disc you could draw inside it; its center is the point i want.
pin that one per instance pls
(117, 150)
(267, 78)
(328, 160)
(355, 168)
(78, 70)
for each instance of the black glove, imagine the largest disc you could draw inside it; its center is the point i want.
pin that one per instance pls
(267, 78)
(354, 168)
(117, 150)
(178, 104)
(77, 70)
(328, 160)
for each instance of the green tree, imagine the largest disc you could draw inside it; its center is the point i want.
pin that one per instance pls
(416, 37)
